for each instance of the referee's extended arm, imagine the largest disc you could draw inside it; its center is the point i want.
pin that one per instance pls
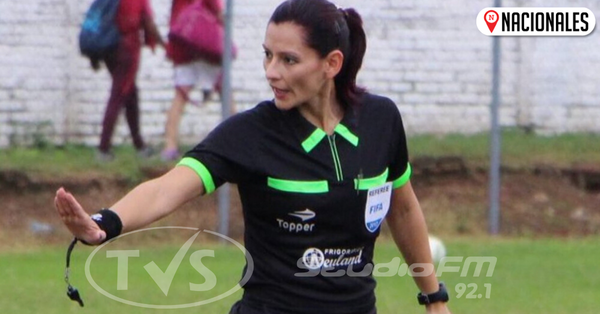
(146, 203)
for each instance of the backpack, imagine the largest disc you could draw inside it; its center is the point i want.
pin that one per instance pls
(200, 31)
(99, 33)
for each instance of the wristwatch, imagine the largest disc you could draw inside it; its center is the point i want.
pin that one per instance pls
(439, 296)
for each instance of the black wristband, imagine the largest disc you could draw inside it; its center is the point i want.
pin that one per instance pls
(440, 296)
(108, 221)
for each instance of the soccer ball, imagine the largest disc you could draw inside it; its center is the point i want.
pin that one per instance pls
(438, 250)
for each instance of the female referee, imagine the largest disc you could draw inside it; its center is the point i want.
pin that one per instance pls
(318, 169)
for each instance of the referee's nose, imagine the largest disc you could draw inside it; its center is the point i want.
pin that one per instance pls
(272, 72)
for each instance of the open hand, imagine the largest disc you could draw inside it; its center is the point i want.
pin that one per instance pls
(76, 219)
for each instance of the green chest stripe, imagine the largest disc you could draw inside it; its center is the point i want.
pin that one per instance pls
(309, 187)
(368, 183)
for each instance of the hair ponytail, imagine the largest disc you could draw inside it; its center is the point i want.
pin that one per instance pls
(345, 82)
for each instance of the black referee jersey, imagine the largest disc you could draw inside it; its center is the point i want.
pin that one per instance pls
(313, 203)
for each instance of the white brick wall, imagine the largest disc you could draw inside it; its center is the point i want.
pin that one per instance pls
(426, 55)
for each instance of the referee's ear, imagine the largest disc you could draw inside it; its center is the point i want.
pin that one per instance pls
(334, 62)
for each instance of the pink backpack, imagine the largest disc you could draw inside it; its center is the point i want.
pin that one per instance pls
(200, 30)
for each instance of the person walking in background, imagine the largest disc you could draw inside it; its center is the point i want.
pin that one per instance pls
(136, 23)
(190, 69)
(324, 156)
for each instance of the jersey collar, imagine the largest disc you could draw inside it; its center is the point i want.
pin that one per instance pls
(310, 136)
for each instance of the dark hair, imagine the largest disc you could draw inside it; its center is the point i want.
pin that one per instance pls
(329, 28)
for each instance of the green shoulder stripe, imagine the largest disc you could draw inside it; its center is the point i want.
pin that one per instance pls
(201, 170)
(403, 178)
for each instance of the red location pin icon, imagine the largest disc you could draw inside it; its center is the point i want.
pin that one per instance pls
(491, 18)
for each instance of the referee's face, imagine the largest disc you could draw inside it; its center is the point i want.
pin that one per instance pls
(295, 72)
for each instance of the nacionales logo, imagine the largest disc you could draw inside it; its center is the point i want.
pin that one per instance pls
(536, 21)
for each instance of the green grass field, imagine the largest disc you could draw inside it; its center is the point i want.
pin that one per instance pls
(519, 148)
(531, 276)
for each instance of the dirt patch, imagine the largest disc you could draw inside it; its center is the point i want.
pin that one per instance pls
(542, 201)
(531, 204)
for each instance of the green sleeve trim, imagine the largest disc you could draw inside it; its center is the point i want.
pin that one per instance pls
(368, 183)
(201, 171)
(313, 140)
(347, 134)
(403, 178)
(308, 187)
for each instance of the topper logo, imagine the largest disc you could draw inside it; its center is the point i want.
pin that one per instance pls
(305, 215)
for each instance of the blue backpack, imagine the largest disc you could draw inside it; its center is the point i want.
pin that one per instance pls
(99, 32)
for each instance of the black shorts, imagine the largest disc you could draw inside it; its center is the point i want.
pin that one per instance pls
(241, 308)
